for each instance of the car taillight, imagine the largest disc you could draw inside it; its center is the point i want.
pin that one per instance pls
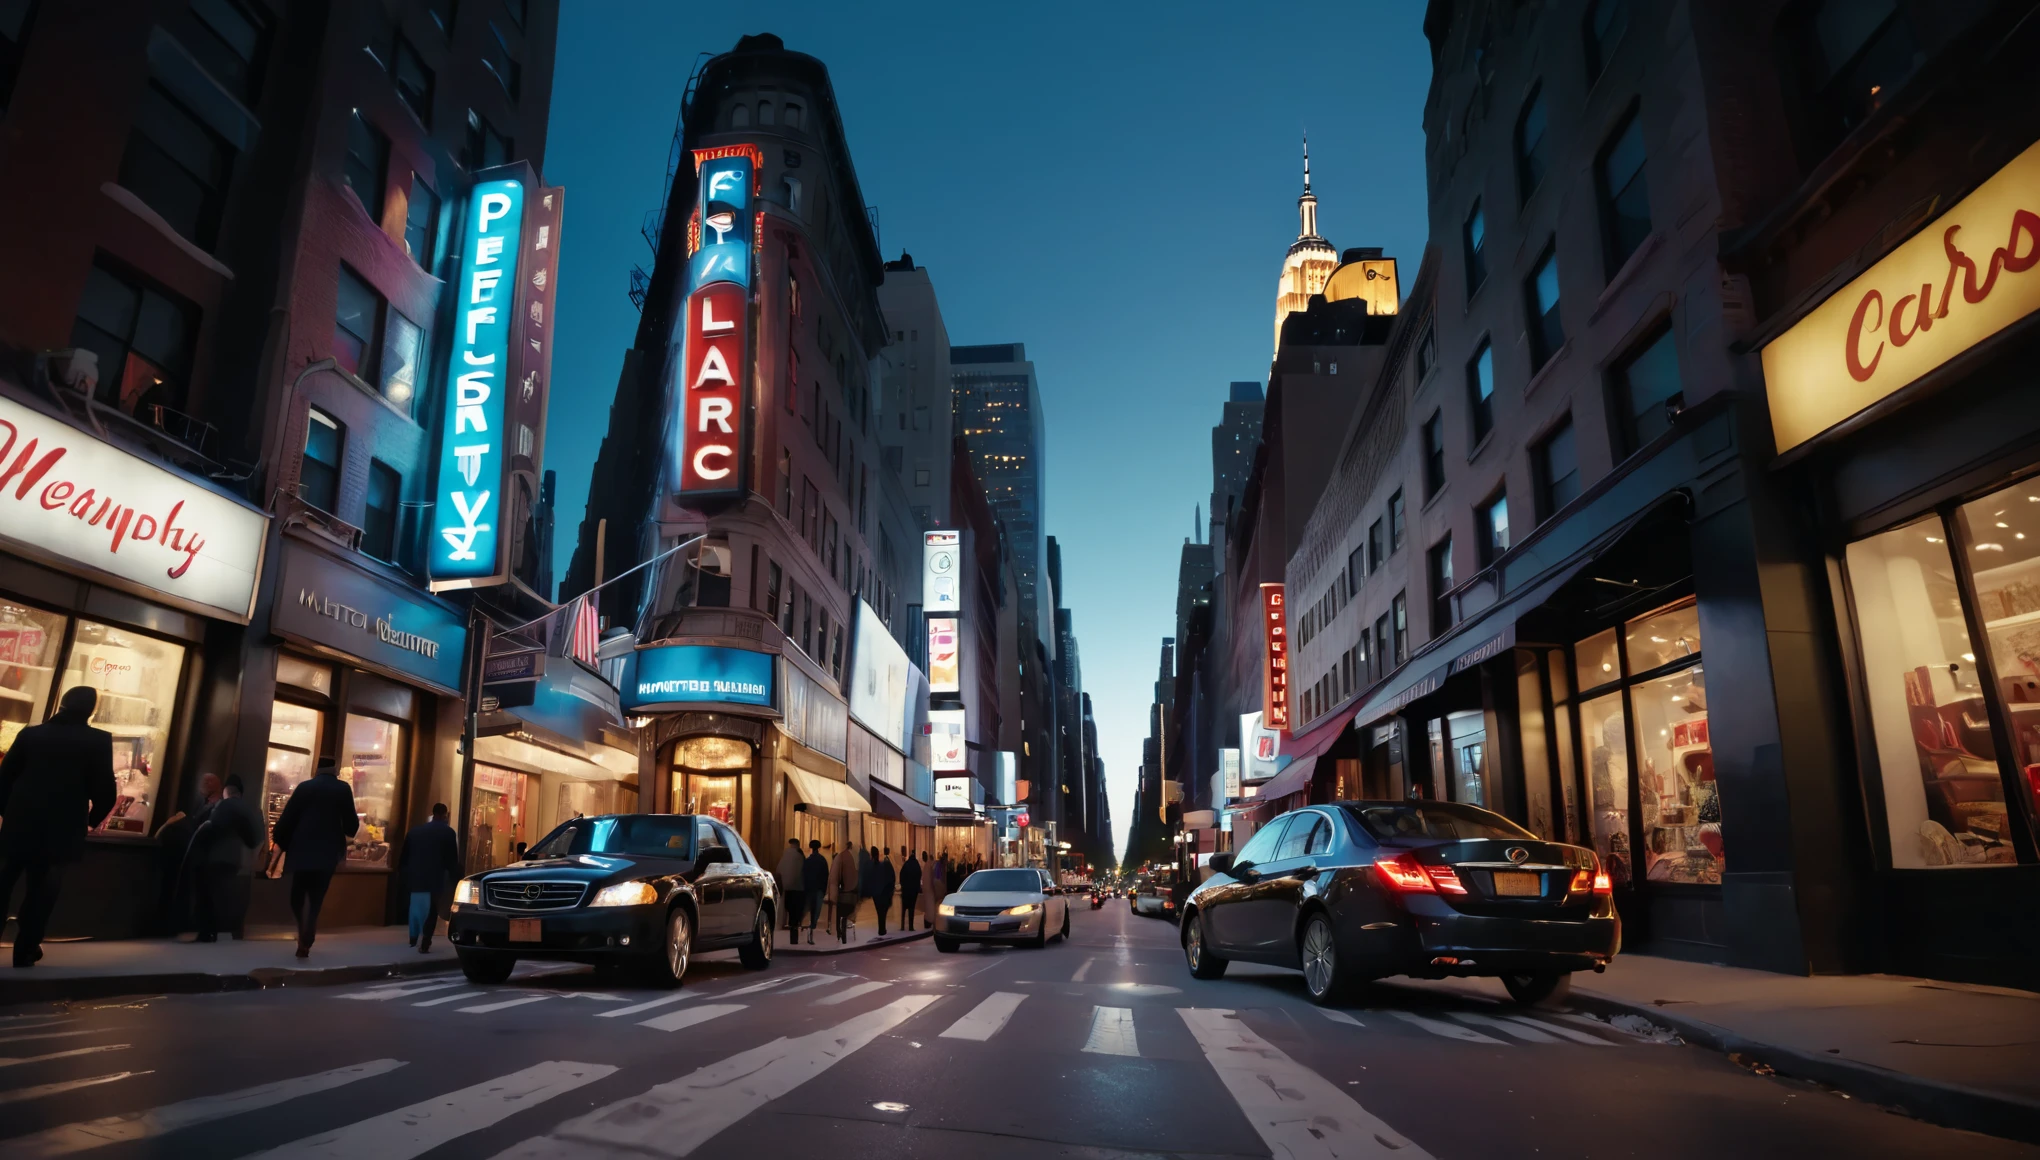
(1446, 878)
(1601, 883)
(1582, 881)
(1404, 873)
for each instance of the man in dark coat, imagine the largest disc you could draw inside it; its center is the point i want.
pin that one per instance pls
(910, 889)
(312, 832)
(883, 879)
(55, 784)
(227, 830)
(430, 859)
(814, 885)
(788, 873)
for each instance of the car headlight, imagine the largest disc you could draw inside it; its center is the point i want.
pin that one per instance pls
(1023, 908)
(945, 909)
(467, 892)
(626, 894)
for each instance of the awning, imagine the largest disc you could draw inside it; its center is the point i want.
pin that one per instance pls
(1200, 819)
(1294, 776)
(890, 803)
(819, 791)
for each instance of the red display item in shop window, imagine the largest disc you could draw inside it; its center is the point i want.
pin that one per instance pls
(2033, 781)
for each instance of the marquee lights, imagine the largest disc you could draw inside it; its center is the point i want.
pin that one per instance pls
(707, 450)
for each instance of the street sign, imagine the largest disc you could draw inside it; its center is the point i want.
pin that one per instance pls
(501, 668)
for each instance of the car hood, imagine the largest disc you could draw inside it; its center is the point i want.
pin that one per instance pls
(993, 897)
(585, 868)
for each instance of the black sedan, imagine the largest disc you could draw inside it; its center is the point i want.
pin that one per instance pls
(617, 890)
(1360, 890)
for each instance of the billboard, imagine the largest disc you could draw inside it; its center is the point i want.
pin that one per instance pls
(952, 793)
(707, 450)
(1009, 777)
(881, 680)
(1229, 774)
(941, 572)
(680, 674)
(1275, 673)
(473, 460)
(944, 673)
(947, 748)
(1261, 747)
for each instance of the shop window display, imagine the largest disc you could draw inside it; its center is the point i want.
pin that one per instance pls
(499, 818)
(2001, 533)
(30, 640)
(294, 735)
(371, 756)
(137, 678)
(1597, 660)
(1677, 797)
(1605, 749)
(1664, 637)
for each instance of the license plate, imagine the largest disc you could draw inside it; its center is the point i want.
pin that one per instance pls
(524, 930)
(981, 926)
(1517, 884)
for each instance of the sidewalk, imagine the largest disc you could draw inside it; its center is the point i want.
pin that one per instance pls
(97, 968)
(866, 937)
(1952, 1053)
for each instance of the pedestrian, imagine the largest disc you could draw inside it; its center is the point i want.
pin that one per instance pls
(177, 869)
(56, 782)
(788, 873)
(312, 832)
(814, 885)
(938, 887)
(219, 854)
(867, 876)
(430, 859)
(843, 884)
(910, 889)
(885, 878)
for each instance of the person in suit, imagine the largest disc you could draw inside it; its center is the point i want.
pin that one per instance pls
(788, 872)
(55, 784)
(227, 830)
(814, 885)
(430, 860)
(883, 880)
(910, 889)
(312, 832)
(843, 880)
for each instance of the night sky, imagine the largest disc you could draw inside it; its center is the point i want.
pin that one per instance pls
(1113, 184)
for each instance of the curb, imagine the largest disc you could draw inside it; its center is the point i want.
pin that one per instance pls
(198, 983)
(852, 948)
(1946, 1104)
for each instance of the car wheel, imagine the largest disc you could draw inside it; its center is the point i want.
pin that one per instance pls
(1203, 964)
(945, 944)
(485, 966)
(1040, 938)
(1324, 976)
(1539, 989)
(757, 954)
(671, 965)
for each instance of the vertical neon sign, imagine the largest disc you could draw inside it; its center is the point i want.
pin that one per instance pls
(472, 456)
(707, 451)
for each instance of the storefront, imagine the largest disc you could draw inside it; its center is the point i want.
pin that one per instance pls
(122, 574)
(568, 753)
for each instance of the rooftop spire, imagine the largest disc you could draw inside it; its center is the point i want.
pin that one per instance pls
(1306, 162)
(1306, 206)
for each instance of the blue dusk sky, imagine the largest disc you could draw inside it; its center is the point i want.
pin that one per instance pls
(978, 131)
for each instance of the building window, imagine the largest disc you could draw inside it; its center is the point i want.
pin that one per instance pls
(484, 148)
(1625, 197)
(1540, 294)
(774, 578)
(786, 484)
(811, 516)
(1356, 569)
(1474, 238)
(740, 116)
(379, 517)
(1854, 54)
(414, 81)
(1395, 522)
(421, 225)
(1493, 521)
(224, 36)
(1399, 608)
(496, 54)
(15, 18)
(921, 477)
(1427, 354)
(368, 164)
(319, 471)
(177, 166)
(1377, 546)
(1434, 453)
(143, 338)
(765, 114)
(357, 326)
(1532, 159)
(1555, 461)
(1647, 390)
(1604, 24)
(1438, 569)
(1384, 646)
(792, 118)
(1480, 391)
(402, 359)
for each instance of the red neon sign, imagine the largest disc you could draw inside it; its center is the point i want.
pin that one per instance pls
(711, 387)
(1275, 673)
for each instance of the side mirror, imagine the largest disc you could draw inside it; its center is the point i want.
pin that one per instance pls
(1221, 863)
(1244, 871)
(714, 855)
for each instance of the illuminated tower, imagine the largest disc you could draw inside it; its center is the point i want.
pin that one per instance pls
(1310, 260)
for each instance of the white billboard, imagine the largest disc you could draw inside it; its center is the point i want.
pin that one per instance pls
(952, 793)
(947, 749)
(1262, 749)
(881, 678)
(944, 645)
(1229, 773)
(941, 572)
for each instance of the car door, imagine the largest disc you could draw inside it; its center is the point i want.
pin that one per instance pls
(711, 882)
(1277, 893)
(1225, 909)
(743, 888)
(1058, 907)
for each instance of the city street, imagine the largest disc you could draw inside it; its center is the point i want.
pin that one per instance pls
(1101, 1047)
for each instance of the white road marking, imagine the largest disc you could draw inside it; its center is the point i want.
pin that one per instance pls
(55, 1035)
(388, 991)
(425, 1125)
(1448, 1030)
(1084, 970)
(456, 997)
(541, 970)
(1112, 1032)
(689, 1016)
(10, 1061)
(1555, 1029)
(985, 1019)
(50, 1089)
(1340, 1017)
(673, 1119)
(505, 1005)
(817, 981)
(1529, 1034)
(763, 985)
(648, 1005)
(850, 993)
(1597, 1025)
(153, 1122)
(1296, 1111)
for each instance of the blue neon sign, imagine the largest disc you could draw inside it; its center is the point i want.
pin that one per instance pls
(472, 452)
(677, 674)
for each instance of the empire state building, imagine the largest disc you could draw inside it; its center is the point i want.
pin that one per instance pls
(1310, 261)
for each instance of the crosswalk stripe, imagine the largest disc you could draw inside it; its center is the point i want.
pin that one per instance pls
(1339, 1017)
(1297, 1112)
(505, 1005)
(1448, 1030)
(11, 1061)
(648, 1005)
(849, 993)
(1083, 970)
(153, 1122)
(689, 1016)
(1112, 1032)
(19, 1095)
(456, 997)
(673, 1119)
(386, 991)
(1555, 1029)
(817, 981)
(415, 1130)
(54, 1035)
(762, 985)
(1530, 1034)
(985, 1019)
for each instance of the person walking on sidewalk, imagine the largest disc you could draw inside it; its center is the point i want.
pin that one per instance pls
(843, 884)
(430, 859)
(56, 782)
(229, 829)
(884, 879)
(788, 873)
(312, 832)
(814, 885)
(910, 889)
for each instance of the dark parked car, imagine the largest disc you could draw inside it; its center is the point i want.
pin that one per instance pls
(618, 890)
(1360, 890)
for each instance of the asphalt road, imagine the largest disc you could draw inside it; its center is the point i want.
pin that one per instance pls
(1101, 1047)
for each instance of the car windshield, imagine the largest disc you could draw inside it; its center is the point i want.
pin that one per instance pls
(1445, 820)
(1003, 882)
(655, 835)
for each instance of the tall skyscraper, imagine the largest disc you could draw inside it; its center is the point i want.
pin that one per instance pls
(914, 390)
(998, 413)
(1310, 261)
(1232, 451)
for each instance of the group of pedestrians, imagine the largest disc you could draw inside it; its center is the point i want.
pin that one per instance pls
(815, 882)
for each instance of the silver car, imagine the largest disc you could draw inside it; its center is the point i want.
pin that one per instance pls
(1009, 906)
